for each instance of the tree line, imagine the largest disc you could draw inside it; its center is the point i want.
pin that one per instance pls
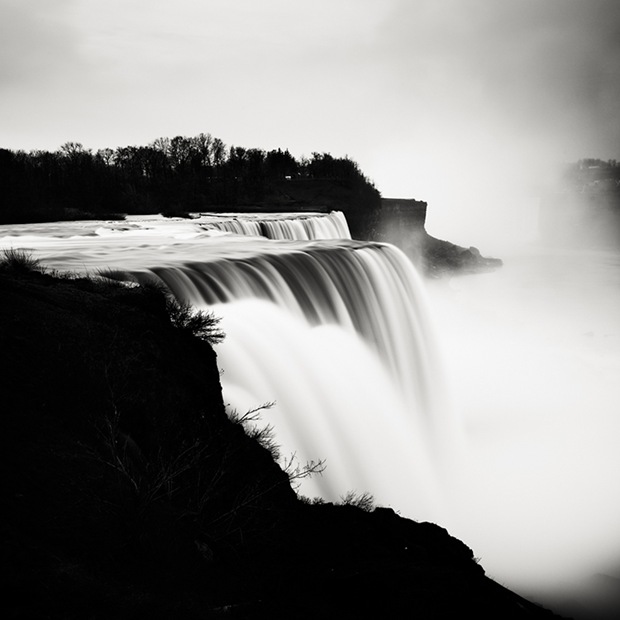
(171, 176)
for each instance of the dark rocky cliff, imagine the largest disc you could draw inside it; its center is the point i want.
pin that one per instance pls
(130, 494)
(403, 223)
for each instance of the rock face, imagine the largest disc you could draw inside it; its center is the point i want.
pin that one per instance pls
(129, 493)
(402, 222)
(125, 470)
(407, 212)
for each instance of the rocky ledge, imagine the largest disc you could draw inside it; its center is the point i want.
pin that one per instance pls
(403, 223)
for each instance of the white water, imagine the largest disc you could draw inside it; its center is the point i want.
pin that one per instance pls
(292, 226)
(529, 465)
(367, 405)
(282, 226)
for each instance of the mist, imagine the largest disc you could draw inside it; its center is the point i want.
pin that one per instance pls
(533, 355)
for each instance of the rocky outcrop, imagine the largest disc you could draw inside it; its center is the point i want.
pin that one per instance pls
(125, 472)
(440, 257)
(403, 223)
(129, 493)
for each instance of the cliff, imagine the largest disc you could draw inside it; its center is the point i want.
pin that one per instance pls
(129, 493)
(403, 223)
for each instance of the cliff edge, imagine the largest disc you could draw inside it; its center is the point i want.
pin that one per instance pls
(403, 223)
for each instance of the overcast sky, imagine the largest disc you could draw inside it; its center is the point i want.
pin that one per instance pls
(463, 103)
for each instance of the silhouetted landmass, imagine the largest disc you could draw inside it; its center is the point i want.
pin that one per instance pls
(129, 493)
(177, 176)
(403, 223)
(583, 207)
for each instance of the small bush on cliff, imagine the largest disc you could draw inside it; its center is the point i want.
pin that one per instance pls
(264, 435)
(18, 261)
(199, 323)
(364, 501)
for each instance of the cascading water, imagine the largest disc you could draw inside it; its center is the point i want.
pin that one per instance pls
(282, 226)
(292, 226)
(293, 322)
(334, 331)
(371, 290)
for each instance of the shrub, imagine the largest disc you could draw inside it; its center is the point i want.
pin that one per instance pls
(199, 323)
(264, 435)
(19, 261)
(364, 501)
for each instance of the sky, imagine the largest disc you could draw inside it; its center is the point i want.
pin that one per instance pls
(467, 104)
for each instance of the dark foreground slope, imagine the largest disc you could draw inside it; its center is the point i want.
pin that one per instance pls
(130, 494)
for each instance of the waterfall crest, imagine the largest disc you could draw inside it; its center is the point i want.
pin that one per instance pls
(371, 290)
(281, 226)
(337, 334)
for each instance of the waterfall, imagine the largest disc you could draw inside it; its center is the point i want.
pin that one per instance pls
(335, 332)
(281, 226)
(371, 290)
(289, 316)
